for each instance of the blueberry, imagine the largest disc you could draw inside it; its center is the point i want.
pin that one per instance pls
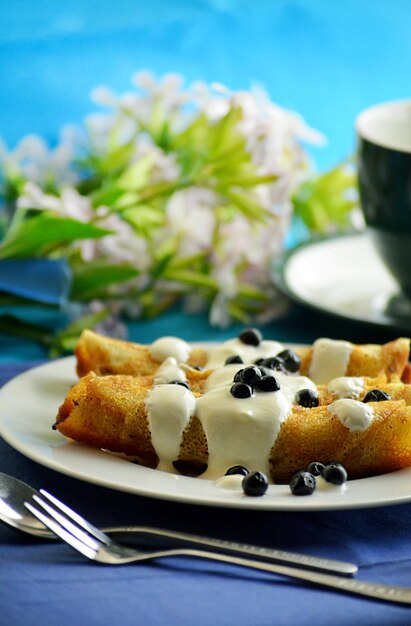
(255, 484)
(268, 383)
(376, 395)
(307, 398)
(275, 363)
(179, 382)
(234, 358)
(302, 483)
(238, 376)
(334, 473)
(291, 360)
(237, 469)
(241, 390)
(250, 375)
(315, 468)
(251, 337)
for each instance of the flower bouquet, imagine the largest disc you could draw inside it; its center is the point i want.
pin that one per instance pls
(174, 193)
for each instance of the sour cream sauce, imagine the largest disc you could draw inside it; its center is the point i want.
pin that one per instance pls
(240, 430)
(169, 370)
(346, 386)
(169, 408)
(217, 354)
(329, 360)
(354, 415)
(165, 347)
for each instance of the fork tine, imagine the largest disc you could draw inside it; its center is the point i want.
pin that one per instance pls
(61, 532)
(67, 524)
(92, 530)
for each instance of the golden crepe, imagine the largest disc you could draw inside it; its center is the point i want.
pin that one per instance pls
(104, 355)
(111, 413)
(395, 390)
(370, 359)
(383, 447)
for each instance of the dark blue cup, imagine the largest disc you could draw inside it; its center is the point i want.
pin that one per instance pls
(384, 172)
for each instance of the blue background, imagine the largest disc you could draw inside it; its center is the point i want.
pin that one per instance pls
(327, 60)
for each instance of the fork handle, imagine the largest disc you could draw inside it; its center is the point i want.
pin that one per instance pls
(379, 591)
(240, 549)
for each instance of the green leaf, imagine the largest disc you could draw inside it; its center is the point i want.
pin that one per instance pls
(249, 180)
(326, 201)
(144, 219)
(117, 158)
(247, 205)
(137, 175)
(39, 235)
(226, 134)
(89, 280)
(107, 195)
(197, 279)
(245, 290)
(197, 132)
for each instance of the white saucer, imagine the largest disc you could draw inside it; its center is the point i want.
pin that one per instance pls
(343, 276)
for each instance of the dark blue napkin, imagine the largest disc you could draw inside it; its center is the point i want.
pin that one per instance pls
(43, 280)
(47, 582)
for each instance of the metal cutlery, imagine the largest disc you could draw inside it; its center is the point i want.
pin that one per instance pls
(99, 547)
(14, 492)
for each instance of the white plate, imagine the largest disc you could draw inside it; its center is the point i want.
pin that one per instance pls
(28, 407)
(343, 276)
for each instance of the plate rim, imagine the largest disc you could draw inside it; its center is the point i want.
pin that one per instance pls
(317, 502)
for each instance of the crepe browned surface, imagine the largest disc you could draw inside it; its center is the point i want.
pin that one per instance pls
(317, 434)
(104, 355)
(371, 359)
(396, 390)
(109, 412)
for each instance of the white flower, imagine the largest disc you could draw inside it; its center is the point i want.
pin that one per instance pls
(190, 216)
(167, 89)
(35, 161)
(124, 245)
(198, 219)
(70, 203)
(33, 197)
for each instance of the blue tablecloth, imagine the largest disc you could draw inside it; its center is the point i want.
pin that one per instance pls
(43, 582)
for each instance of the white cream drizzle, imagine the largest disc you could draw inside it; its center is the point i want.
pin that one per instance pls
(169, 370)
(218, 354)
(346, 386)
(169, 408)
(354, 415)
(329, 360)
(240, 431)
(168, 346)
(222, 376)
(230, 482)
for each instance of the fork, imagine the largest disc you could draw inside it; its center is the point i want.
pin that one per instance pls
(99, 547)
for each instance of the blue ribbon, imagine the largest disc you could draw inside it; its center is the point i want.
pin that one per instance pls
(44, 280)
